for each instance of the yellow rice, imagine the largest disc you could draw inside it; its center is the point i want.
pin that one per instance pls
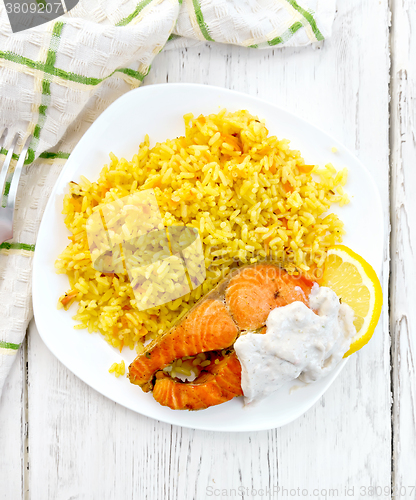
(249, 195)
(118, 369)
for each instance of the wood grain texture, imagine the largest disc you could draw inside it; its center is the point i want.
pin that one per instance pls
(83, 446)
(403, 232)
(13, 430)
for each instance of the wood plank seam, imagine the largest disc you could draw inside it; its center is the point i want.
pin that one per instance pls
(392, 105)
(401, 321)
(25, 421)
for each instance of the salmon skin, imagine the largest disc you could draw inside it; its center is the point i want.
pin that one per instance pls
(218, 384)
(208, 327)
(241, 302)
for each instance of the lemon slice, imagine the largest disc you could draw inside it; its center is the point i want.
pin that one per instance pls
(356, 284)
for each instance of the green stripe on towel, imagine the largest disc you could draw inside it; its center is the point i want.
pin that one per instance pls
(134, 14)
(133, 73)
(309, 18)
(5, 151)
(72, 77)
(286, 35)
(9, 345)
(201, 21)
(46, 87)
(48, 155)
(17, 246)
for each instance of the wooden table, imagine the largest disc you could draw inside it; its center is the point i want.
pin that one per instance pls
(60, 440)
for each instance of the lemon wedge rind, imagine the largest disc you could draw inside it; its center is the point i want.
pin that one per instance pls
(356, 296)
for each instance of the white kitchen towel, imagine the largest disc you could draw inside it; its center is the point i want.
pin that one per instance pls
(57, 78)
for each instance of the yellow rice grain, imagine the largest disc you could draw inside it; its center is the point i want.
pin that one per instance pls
(244, 190)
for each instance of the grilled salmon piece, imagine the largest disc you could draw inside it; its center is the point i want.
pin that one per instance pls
(220, 383)
(207, 327)
(256, 290)
(240, 302)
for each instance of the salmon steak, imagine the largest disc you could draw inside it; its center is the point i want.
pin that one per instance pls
(218, 384)
(207, 327)
(241, 302)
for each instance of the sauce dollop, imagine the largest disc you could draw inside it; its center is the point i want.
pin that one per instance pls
(299, 343)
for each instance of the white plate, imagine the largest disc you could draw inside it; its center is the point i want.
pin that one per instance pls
(157, 110)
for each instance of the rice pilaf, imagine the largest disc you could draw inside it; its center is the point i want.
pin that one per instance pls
(249, 195)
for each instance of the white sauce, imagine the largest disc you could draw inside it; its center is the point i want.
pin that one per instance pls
(297, 344)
